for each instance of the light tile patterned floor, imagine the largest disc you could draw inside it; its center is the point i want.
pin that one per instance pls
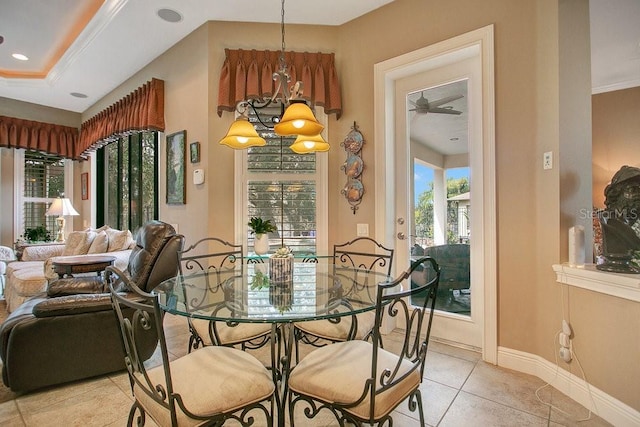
(459, 389)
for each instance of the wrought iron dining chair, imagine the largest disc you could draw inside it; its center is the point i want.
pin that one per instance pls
(206, 387)
(356, 258)
(361, 382)
(217, 258)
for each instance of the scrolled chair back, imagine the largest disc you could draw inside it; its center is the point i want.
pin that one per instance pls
(362, 382)
(363, 253)
(140, 319)
(413, 305)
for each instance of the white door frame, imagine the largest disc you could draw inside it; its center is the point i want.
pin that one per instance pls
(385, 75)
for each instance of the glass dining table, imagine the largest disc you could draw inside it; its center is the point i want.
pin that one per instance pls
(257, 293)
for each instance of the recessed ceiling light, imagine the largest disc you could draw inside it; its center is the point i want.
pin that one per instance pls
(20, 57)
(1, 39)
(78, 94)
(169, 15)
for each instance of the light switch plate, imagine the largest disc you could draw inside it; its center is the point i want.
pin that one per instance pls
(362, 230)
(547, 160)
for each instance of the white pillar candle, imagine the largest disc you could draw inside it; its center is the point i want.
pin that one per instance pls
(576, 246)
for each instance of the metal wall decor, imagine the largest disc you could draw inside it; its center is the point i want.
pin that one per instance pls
(352, 167)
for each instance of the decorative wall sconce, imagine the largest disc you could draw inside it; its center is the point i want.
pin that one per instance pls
(352, 167)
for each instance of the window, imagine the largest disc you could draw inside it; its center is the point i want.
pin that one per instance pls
(40, 178)
(285, 187)
(127, 183)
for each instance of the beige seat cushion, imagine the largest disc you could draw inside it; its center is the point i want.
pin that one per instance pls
(339, 331)
(29, 281)
(231, 334)
(210, 380)
(337, 373)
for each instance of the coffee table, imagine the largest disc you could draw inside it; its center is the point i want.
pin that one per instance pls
(71, 265)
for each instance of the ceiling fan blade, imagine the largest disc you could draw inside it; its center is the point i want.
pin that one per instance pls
(446, 100)
(445, 111)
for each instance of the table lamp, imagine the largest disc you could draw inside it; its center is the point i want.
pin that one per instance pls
(61, 207)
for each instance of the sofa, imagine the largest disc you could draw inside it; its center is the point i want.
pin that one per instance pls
(30, 275)
(70, 331)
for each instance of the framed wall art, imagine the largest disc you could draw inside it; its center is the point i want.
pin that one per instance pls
(84, 185)
(176, 171)
(194, 150)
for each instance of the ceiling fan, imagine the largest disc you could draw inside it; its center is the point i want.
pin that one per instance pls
(423, 106)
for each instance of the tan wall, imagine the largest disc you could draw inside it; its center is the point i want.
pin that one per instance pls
(184, 71)
(616, 133)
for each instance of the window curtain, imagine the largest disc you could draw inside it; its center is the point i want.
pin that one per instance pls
(141, 110)
(248, 74)
(32, 135)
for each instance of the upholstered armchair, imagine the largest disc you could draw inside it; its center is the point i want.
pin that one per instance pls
(70, 331)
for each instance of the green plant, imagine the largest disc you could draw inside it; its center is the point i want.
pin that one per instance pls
(259, 281)
(260, 226)
(37, 234)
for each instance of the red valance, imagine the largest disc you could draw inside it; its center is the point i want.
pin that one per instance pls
(32, 135)
(141, 110)
(248, 74)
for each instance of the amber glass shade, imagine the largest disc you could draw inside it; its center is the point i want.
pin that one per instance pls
(298, 119)
(309, 144)
(242, 134)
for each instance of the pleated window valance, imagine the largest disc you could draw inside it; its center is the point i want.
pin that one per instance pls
(141, 110)
(39, 136)
(248, 74)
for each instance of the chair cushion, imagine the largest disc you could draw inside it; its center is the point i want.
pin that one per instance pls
(339, 331)
(230, 334)
(210, 380)
(337, 373)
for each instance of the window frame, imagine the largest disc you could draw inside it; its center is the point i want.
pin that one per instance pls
(20, 199)
(100, 166)
(320, 177)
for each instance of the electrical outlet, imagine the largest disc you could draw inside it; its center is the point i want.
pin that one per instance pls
(547, 160)
(565, 354)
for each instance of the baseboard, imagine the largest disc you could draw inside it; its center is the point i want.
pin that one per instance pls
(599, 402)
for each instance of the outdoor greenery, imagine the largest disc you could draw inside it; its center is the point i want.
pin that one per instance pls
(424, 210)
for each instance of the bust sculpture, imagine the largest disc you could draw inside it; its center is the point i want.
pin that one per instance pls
(620, 241)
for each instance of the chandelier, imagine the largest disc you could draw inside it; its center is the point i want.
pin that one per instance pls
(297, 119)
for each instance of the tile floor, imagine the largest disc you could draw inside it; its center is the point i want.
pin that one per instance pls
(459, 389)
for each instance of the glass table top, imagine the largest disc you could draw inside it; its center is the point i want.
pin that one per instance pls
(260, 292)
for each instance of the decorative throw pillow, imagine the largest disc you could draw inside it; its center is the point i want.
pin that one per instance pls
(100, 243)
(119, 240)
(78, 242)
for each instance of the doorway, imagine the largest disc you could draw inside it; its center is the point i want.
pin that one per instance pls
(469, 59)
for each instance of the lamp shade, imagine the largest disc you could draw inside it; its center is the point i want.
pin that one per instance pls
(298, 119)
(242, 134)
(309, 144)
(61, 207)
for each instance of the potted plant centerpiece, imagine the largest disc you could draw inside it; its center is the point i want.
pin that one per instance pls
(260, 228)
